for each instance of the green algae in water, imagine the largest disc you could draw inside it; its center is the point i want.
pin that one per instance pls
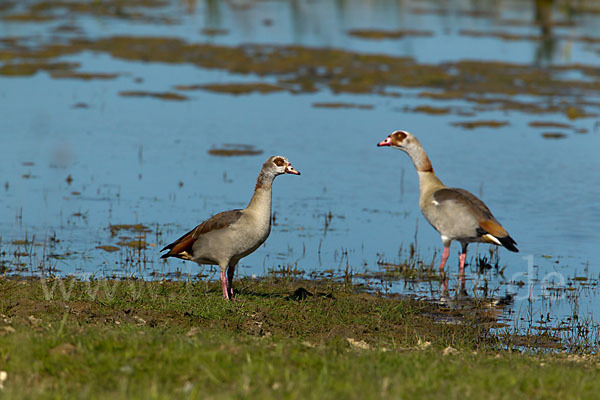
(431, 110)
(306, 70)
(235, 88)
(376, 34)
(86, 76)
(134, 244)
(108, 248)
(481, 123)
(575, 113)
(140, 228)
(170, 96)
(122, 9)
(549, 124)
(214, 31)
(343, 105)
(499, 35)
(31, 68)
(553, 135)
(232, 150)
(28, 17)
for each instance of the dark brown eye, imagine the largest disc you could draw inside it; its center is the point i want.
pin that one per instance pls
(279, 161)
(399, 136)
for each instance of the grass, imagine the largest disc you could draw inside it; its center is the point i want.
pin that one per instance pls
(140, 339)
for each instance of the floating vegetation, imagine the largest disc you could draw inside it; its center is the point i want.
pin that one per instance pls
(157, 95)
(306, 70)
(108, 248)
(575, 113)
(123, 9)
(31, 68)
(343, 105)
(214, 31)
(21, 242)
(429, 11)
(499, 35)
(413, 271)
(231, 150)
(235, 88)
(529, 22)
(7, 5)
(82, 75)
(68, 28)
(519, 37)
(431, 110)
(286, 271)
(134, 244)
(376, 34)
(481, 124)
(27, 17)
(115, 229)
(549, 124)
(553, 135)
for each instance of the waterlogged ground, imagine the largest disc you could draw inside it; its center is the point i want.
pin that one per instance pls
(178, 339)
(124, 124)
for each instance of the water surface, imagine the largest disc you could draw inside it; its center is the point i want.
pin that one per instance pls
(78, 156)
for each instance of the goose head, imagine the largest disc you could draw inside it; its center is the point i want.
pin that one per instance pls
(279, 165)
(402, 140)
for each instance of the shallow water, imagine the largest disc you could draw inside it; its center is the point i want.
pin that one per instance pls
(77, 156)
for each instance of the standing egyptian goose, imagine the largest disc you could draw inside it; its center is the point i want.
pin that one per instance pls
(455, 213)
(231, 235)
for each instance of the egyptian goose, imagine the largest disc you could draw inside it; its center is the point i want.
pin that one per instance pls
(231, 235)
(455, 213)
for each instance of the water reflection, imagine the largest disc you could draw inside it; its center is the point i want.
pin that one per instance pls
(548, 44)
(102, 159)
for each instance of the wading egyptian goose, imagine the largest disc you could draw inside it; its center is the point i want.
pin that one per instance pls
(455, 213)
(231, 235)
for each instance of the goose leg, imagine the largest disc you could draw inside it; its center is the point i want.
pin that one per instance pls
(444, 284)
(461, 267)
(224, 285)
(445, 256)
(230, 273)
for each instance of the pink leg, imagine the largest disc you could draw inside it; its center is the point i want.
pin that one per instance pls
(444, 284)
(224, 285)
(445, 256)
(461, 267)
(230, 273)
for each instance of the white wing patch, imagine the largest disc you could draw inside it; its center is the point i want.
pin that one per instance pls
(491, 239)
(185, 255)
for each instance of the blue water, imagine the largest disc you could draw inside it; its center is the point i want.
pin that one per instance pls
(128, 156)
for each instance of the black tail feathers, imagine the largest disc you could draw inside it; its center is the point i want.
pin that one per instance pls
(509, 243)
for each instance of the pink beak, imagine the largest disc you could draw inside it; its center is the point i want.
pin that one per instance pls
(385, 142)
(290, 170)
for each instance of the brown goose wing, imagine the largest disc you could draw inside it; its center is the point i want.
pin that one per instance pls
(484, 217)
(466, 199)
(182, 247)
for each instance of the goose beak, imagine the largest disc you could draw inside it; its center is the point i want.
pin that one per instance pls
(385, 142)
(290, 170)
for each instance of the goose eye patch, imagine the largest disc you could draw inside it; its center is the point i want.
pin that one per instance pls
(399, 136)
